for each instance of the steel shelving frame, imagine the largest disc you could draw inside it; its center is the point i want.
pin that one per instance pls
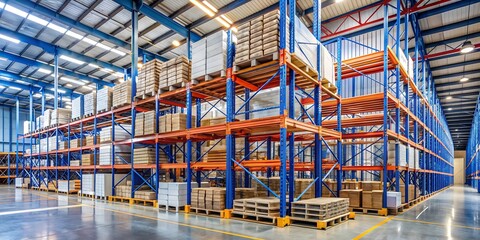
(423, 128)
(472, 163)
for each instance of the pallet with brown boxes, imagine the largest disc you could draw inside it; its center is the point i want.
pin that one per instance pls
(148, 79)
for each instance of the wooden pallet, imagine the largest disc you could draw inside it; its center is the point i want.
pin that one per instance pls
(75, 191)
(76, 119)
(366, 210)
(322, 224)
(210, 76)
(395, 211)
(88, 115)
(146, 95)
(120, 199)
(171, 208)
(208, 212)
(255, 61)
(145, 202)
(91, 195)
(254, 217)
(120, 105)
(102, 110)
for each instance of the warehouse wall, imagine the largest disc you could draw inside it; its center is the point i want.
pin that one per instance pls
(8, 127)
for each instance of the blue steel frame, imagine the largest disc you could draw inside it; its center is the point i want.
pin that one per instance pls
(472, 164)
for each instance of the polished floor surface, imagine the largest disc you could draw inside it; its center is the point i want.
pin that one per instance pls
(28, 214)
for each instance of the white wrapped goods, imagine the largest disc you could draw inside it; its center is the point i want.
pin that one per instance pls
(90, 104)
(104, 99)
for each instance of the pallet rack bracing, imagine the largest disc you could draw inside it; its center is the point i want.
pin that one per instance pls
(382, 104)
(472, 163)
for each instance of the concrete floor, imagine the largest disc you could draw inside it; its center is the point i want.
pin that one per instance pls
(28, 214)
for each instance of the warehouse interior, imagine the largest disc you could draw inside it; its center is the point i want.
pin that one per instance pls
(240, 119)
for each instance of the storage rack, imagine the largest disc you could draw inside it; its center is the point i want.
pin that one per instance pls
(419, 111)
(472, 163)
(7, 167)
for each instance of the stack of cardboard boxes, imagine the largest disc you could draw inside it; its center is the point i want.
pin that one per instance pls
(122, 94)
(144, 155)
(372, 194)
(148, 76)
(174, 73)
(208, 198)
(104, 99)
(90, 104)
(209, 57)
(173, 122)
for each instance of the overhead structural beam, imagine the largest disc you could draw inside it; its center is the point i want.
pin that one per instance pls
(36, 82)
(459, 74)
(21, 99)
(23, 86)
(454, 65)
(459, 104)
(451, 26)
(159, 17)
(324, 5)
(50, 48)
(446, 8)
(467, 95)
(32, 6)
(458, 83)
(33, 63)
(448, 41)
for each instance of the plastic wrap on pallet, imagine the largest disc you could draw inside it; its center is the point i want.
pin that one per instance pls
(47, 118)
(39, 122)
(101, 183)
(209, 55)
(122, 154)
(104, 99)
(77, 108)
(26, 127)
(60, 116)
(402, 154)
(306, 52)
(121, 133)
(90, 104)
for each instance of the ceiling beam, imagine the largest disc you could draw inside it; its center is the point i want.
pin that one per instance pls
(448, 41)
(36, 82)
(159, 17)
(33, 63)
(32, 6)
(454, 65)
(444, 76)
(458, 83)
(50, 48)
(452, 26)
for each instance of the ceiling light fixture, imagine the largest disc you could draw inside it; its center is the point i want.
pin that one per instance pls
(214, 9)
(89, 41)
(467, 47)
(464, 79)
(81, 83)
(16, 11)
(73, 60)
(16, 88)
(43, 70)
(223, 22)
(2, 5)
(58, 90)
(37, 20)
(57, 28)
(338, 1)
(117, 52)
(74, 35)
(103, 46)
(14, 40)
(37, 95)
(448, 97)
(176, 43)
(201, 6)
(449, 109)
(3, 59)
(227, 19)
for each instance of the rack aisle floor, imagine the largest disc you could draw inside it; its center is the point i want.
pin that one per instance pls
(450, 213)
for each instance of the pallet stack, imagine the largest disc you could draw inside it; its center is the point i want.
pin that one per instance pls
(68, 186)
(319, 208)
(122, 94)
(209, 57)
(60, 116)
(122, 154)
(76, 143)
(354, 196)
(144, 155)
(120, 133)
(87, 159)
(75, 163)
(257, 206)
(208, 198)
(259, 37)
(150, 123)
(172, 122)
(241, 193)
(372, 194)
(90, 140)
(104, 99)
(174, 73)
(147, 80)
(77, 110)
(139, 124)
(90, 104)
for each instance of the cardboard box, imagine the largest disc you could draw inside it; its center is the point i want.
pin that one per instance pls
(367, 199)
(354, 196)
(377, 199)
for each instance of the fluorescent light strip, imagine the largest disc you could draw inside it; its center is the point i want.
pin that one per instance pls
(89, 41)
(81, 83)
(103, 46)
(73, 60)
(37, 20)
(57, 28)
(222, 22)
(46, 71)
(210, 6)
(227, 19)
(3, 59)
(118, 52)
(87, 87)
(58, 90)
(14, 40)
(22, 82)
(201, 6)
(93, 65)
(16, 11)
(15, 88)
(2, 87)
(37, 95)
(2, 4)
(74, 35)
